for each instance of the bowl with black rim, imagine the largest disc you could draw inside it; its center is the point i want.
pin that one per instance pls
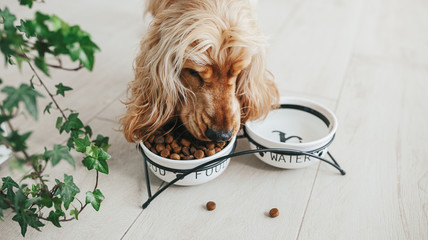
(299, 125)
(168, 169)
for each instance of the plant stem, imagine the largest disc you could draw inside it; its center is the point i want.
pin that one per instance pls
(47, 90)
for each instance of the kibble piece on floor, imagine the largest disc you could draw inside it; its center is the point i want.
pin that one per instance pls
(175, 156)
(274, 212)
(199, 154)
(211, 205)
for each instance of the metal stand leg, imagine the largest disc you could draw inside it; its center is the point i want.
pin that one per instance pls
(149, 191)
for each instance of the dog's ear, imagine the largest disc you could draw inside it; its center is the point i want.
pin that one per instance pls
(155, 91)
(256, 90)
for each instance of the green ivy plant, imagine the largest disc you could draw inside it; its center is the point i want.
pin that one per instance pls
(32, 42)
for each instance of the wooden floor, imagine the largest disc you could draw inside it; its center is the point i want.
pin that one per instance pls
(366, 60)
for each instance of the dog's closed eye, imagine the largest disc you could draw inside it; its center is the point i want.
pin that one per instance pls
(196, 75)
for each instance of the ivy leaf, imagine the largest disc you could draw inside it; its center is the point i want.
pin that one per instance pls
(81, 144)
(28, 3)
(22, 94)
(9, 184)
(74, 212)
(54, 217)
(48, 108)
(28, 28)
(46, 200)
(72, 123)
(61, 89)
(41, 64)
(68, 190)
(92, 163)
(4, 118)
(102, 142)
(88, 130)
(58, 124)
(58, 153)
(27, 218)
(7, 19)
(96, 158)
(94, 198)
(17, 141)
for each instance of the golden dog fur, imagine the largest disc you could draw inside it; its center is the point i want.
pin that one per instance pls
(202, 61)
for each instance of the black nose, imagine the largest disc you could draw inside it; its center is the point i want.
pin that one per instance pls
(219, 135)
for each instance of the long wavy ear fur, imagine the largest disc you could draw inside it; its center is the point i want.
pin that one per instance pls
(256, 90)
(155, 90)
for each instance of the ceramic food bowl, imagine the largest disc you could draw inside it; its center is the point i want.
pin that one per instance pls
(299, 125)
(167, 169)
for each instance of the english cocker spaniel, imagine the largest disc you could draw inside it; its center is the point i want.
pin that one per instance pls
(201, 62)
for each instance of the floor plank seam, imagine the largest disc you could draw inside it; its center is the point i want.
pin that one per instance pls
(133, 222)
(106, 106)
(307, 203)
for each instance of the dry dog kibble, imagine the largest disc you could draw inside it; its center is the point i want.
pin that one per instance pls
(159, 139)
(274, 212)
(165, 153)
(169, 138)
(179, 147)
(199, 154)
(190, 157)
(210, 152)
(148, 145)
(186, 151)
(174, 144)
(210, 145)
(153, 149)
(211, 205)
(185, 142)
(160, 147)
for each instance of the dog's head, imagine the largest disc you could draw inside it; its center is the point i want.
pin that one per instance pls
(201, 61)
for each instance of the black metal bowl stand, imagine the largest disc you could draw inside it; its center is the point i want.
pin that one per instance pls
(180, 173)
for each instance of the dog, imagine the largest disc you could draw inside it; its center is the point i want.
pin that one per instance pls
(201, 62)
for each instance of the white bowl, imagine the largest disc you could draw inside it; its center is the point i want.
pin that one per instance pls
(201, 176)
(300, 125)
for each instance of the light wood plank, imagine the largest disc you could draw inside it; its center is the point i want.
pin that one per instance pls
(314, 47)
(381, 142)
(395, 30)
(124, 189)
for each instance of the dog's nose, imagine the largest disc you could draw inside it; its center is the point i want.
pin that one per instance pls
(219, 135)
